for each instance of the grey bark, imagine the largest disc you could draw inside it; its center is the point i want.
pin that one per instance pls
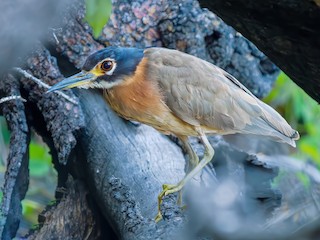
(17, 173)
(122, 165)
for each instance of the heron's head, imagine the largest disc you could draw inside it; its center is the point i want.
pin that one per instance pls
(104, 69)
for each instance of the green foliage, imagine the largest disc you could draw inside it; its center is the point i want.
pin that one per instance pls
(40, 160)
(42, 176)
(302, 112)
(42, 181)
(31, 210)
(304, 179)
(97, 14)
(4, 140)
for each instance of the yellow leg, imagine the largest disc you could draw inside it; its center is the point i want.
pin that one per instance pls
(193, 157)
(168, 189)
(192, 163)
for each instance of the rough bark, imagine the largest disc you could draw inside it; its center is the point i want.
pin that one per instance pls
(125, 165)
(74, 216)
(287, 32)
(17, 173)
(121, 165)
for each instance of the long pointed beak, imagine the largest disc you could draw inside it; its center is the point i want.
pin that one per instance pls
(77, 80)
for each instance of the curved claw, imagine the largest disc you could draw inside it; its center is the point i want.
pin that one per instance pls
(167, 189)
(160, 196)
(158, 217)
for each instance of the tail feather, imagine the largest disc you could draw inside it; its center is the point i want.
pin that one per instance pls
(272, 124)
(260, 127)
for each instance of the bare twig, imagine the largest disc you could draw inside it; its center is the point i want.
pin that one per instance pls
(10, 98)
(55, 37)
(54, 30)
(3, 148)
(44, 85)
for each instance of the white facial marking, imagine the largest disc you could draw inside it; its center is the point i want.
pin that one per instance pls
(102, 84)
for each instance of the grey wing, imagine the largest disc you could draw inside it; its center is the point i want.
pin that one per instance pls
(203, 94)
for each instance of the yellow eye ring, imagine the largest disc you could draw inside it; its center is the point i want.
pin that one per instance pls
(106, 65)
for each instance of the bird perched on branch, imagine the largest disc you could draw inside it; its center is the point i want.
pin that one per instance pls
(178, 94)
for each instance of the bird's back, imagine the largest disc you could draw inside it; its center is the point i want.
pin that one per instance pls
(203, 95)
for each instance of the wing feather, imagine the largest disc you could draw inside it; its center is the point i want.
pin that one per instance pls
(203, 94)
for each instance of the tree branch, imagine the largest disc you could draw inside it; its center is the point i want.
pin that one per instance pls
(286, 31)
(17, 173)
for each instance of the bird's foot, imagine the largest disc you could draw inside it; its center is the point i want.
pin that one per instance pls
(166, 190)
(158, 217)
(169, 188)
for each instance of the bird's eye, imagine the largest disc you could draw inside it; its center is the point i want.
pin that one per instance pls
(107, 65)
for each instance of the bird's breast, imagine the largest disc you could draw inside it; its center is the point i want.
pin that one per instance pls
(140, 99)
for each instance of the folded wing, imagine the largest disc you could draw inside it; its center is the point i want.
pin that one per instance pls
(204, 95)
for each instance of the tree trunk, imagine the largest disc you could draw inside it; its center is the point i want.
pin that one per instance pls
(111, 170)
(288, 32)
